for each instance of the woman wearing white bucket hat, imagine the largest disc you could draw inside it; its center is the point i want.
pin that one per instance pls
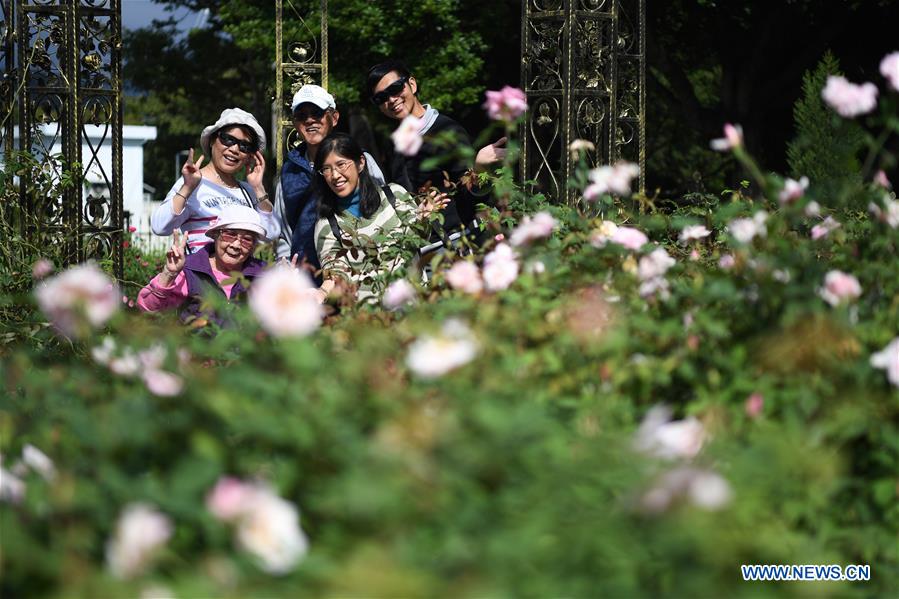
(234, 142)
(185, 278)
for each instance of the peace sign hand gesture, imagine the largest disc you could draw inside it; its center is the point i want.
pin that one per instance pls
(191, 171)
(176, 257)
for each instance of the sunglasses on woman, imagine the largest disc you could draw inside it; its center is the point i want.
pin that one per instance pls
(394, 89)
(247, 240)
(247, 147)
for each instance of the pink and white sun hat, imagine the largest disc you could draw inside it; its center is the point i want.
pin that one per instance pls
(242, 218)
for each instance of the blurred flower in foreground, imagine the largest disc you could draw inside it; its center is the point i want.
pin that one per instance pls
(78, 299)
(465, 276)
(41, 269)
(824, 228)
(628, 237)
(12, 488)
(581, 145)
(268, 527)
(888, 359)
(745, 230)
(286, 302)
(733, 138)
(727, 261)
(398, 294)
(507, 104)
(500, 268)
(691, 232)
(793, 190)
(140, 533)
(881, 177)
(433, 356)
(38, 461)
(889, 68)
(656, 264)
(889, 214)
(407, 139)
(812, 209)
(754, 404)
(703, 488)
(662, 437)
(539, 226)
(615, 180)
(839, 287)
(849, 99)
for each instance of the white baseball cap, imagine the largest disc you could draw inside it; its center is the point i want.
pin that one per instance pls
(239, 217)
(314, 94)
(233, 116)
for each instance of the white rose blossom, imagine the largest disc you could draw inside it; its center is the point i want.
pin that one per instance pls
(662, 437)
(407, 139)
(539, 226)
(286, 302)
(140, 533)
(432, 356)
(691, 232)
(79, 298)
(745, 230)
(888, 359)
(500, 268)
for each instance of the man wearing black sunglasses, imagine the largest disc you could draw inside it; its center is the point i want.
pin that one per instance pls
(394, 90)
(315, 115)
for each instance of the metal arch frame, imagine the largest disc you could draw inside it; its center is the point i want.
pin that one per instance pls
(298, 62)
(583, 69)
(69, 74)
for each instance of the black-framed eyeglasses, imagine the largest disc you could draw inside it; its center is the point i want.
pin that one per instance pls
(247, 147)
(308, 110)
(394, 89)
(343, 166)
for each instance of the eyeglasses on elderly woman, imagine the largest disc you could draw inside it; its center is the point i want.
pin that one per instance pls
(247, 147)
(247, 240)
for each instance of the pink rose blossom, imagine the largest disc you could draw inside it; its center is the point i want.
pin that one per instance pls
(657, 286)
(881, 178)
(78, 299)
(601, 236)
(726, 262)
(733, 138)
(500, 268)
(824, 228)
(793, 190)
(615, 180)
(656, 264)
(839, 287)
(889, 68)
(889, 214)
(41, 269)
(849, 99)
(465, 276)
(691, 232)
(407, 137)
(162, 383)
(507, 104)
(140, 533)
(229, 499)
(398, 294)
(694, 255)
(888, 359)
(539, 226)
(581, 145)
(754, 404)
(286, 302)
(630, 238)
(662, 437)
(432, 356)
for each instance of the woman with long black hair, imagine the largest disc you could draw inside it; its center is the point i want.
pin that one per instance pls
(361, 225)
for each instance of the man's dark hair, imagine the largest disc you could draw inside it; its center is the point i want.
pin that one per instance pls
(377, 72)
(346, 146)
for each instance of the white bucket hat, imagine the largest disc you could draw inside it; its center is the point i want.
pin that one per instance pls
(233, 116)
(239, 217)
(314, 94)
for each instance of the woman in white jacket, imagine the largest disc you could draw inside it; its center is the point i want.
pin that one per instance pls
(233, 143)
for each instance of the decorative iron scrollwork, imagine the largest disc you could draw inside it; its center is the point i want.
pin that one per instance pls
(587, 58)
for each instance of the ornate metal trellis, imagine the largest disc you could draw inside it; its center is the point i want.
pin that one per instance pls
(583, 69)
(62, 87)
(301, 57)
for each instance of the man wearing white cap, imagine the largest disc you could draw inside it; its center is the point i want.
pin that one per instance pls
(314, 116)
(234, 142)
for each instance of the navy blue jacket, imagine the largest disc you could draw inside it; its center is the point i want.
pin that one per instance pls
(300, 206)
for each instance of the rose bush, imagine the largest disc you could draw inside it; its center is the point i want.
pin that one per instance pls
(668, 397)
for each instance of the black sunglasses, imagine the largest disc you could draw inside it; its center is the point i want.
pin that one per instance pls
(247, 147)
(304, 112)
(394, 89)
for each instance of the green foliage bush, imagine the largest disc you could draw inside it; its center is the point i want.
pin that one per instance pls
(515, 474)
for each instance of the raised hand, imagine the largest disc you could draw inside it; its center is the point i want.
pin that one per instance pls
(434, 202)
(191, 170)
(255, 171)
(293, 261)
(491, 154)
(176, 257)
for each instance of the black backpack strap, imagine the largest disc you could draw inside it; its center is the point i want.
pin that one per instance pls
(390, 197)
(335, 228)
